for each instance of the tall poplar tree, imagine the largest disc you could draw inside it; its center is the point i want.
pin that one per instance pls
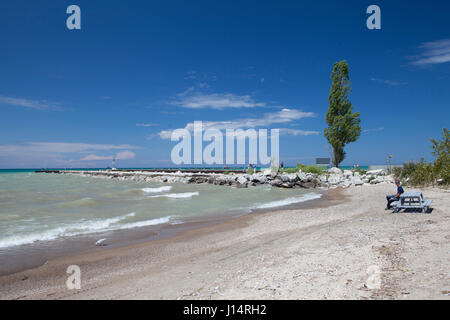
(343, 124)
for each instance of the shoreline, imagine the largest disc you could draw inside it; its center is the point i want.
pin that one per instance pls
(318, 252)
(30, 256)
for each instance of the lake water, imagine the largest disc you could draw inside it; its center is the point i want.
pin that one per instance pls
(38, 207)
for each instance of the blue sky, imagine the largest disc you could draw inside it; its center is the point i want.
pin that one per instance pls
(138, 69)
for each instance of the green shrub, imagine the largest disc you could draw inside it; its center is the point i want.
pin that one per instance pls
(423, 173)
(310, 169)
(441, 149)
(313, 169)
(405, 171)
(289, 170)
(360, 171)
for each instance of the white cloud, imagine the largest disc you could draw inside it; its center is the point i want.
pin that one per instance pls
(297, 132)
(95, 157)
(151, 136)
(147, 124)
(41, 148)
(124, 155)
(283, 116)
(393, 83)
(373, 130)
(435, 52)
(164, 134)
(27, 103)
(216, 101)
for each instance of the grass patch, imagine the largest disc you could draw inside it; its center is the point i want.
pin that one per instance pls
(311, 169)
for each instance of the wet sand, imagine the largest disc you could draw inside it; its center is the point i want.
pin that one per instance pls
(320, 251)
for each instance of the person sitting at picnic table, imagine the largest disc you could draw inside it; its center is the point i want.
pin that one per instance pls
(394, 197)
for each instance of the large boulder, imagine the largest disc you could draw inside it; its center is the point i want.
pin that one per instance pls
(262, 180)
(314, 182)
(335, 170)
(377, 180)
(301, 176)
(345, 184)
(377, 172)
(356, 180)
(348, 173)
(241, 182)
(335, 179)
(292, 177)
(389, 179)
(221, 180)
(258, 179)
(277, 182)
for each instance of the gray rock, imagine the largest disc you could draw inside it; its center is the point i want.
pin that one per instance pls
(377, 180)
(376, 172)
(356, 180)
(346, 184)
(335, 170)
(301, 175)
(335, 179)
(348, 173)
(241, 180)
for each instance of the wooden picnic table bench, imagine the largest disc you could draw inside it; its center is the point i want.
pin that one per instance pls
(412, 200)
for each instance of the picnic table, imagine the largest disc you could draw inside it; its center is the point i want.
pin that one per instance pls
(412, 200)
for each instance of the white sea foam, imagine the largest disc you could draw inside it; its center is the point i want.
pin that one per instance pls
(288, 201)
(85, 227)
(145, 223)
(155, 190)
(178, 195)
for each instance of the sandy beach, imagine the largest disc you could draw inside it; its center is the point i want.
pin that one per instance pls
(322, 251)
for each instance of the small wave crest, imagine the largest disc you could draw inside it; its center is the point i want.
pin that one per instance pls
(177, 195)
(288, 201)
(155, 190)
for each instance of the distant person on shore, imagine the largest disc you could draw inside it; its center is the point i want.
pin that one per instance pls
(394, 197)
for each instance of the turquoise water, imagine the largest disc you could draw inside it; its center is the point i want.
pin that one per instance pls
(36, 207)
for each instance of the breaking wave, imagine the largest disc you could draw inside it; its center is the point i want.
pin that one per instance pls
(85, 227)
(155, 190)
(288, 201)
(178, 195)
